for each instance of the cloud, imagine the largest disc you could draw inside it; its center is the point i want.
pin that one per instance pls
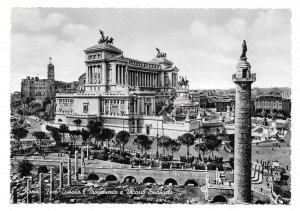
(33, 20)
(204, 49)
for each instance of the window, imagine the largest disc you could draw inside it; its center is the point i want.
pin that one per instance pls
(85, 107)
(147, 130)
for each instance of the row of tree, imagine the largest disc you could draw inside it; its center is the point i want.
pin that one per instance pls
(95, 130)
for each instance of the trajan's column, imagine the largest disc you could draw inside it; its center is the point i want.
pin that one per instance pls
(242, 143)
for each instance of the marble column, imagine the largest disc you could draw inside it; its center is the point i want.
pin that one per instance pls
(41, 188)
(14, 195)
(87, 152)
(29, 195)
(82, 160)
(138, 105)
(128, 77)
(124, 75)
(69, 172)
(117, 74)
(109, 106)
(92, 74)
(121, 75)
(76, 165)
(51, 182)
(104, 79)
(61, 175)
(88, 75)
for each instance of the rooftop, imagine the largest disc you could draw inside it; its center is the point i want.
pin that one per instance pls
(102, 46)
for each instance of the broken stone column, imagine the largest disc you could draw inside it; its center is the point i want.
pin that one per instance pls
(41, 188)
(51, 183)
(76, 165)
(29, 195)
(61, 175)
(82, 161)
(87, 152)
(82, 157)
(69, 172)
(14, 195)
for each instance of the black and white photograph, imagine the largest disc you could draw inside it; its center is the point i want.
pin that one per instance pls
(150, 106)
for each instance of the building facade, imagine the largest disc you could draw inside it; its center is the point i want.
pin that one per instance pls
(125, 92)
(271, 102)
(42, 89)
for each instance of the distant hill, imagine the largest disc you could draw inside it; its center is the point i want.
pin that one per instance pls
(270, 91)
(261, 91)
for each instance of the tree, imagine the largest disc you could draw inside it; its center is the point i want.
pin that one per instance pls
(122, 139)
(94, 129)
(162, 142)
(188, 140)
(40, 135)
(74, 134)
(24, 168)
(143, 143)
(18, 134)
(84, 135)
(28, 100)
(200, 147)
(77, 122)
(258, 110)
(63, 129)
(173, 146)
(107, 134)
(267, 111)
(212, 143)
(57, 137)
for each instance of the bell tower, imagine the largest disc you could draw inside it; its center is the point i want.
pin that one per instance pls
(50, 71)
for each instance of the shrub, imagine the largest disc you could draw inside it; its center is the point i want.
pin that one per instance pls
(43, 169)
(24, 168)
(103, 156)
(199, 166)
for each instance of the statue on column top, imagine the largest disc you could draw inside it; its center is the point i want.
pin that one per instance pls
(244, 49)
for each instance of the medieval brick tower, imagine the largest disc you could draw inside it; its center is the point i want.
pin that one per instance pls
(242, 143)
(50, 71)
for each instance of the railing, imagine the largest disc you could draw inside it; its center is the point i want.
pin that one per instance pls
(240, 78)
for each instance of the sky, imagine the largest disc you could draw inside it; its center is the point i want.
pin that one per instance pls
(204, 44)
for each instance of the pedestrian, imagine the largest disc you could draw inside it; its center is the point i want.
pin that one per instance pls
(261, 189)
(279, 145)
(272, 148)
(287, 167)
(257, 152)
